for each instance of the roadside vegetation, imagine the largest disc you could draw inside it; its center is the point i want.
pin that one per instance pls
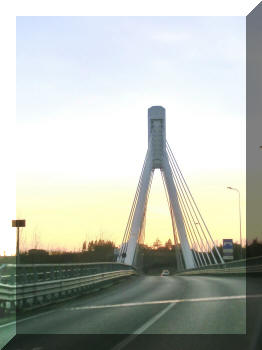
(157, 255)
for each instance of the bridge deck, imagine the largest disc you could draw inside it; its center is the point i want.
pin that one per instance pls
(151, 305)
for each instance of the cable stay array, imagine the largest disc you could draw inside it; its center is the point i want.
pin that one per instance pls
(200, 240)
(202, 244)
(124, 245)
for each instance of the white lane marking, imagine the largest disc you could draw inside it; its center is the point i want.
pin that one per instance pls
(26, 318)
(133, 304)
(153, 319)
(233, 297)
(141, 329)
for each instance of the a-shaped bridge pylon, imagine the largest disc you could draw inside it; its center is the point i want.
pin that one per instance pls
(191, 235)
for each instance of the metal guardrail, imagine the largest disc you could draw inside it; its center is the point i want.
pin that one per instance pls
(29, 273)
(31, 286)
(250, 265)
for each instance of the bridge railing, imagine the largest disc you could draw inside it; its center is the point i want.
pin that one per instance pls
(32, 273)
(30, 286)
(250, 265)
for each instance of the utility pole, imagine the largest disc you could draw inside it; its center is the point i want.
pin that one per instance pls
(239, 211)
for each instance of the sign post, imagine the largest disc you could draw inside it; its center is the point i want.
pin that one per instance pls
(228, 249)
(116, 253)
(17, 224)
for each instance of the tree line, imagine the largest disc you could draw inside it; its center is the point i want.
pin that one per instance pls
(157, 254)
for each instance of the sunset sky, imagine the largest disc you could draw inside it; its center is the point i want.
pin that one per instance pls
(84, 85)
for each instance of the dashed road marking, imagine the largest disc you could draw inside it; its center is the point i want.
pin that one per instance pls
(141, 329)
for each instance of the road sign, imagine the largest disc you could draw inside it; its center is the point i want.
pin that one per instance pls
(228, 249)
(18, 223)
(116, 251)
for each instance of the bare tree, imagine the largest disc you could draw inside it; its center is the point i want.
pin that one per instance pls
(168, 244)
(35, 240)
(22, 240)
(157, 243)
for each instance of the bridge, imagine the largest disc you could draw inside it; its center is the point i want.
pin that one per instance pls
(111, 306)
(114, 306)
(189, 228)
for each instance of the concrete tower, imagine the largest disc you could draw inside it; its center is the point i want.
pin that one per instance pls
(156, 158)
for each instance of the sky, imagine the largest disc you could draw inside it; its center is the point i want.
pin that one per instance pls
(83, 88)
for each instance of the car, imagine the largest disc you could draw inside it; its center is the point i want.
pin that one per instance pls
(165, 273)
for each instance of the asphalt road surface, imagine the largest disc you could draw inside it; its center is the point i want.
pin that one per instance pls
(151, 312)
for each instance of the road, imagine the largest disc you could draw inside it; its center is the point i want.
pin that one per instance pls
(145, 310)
